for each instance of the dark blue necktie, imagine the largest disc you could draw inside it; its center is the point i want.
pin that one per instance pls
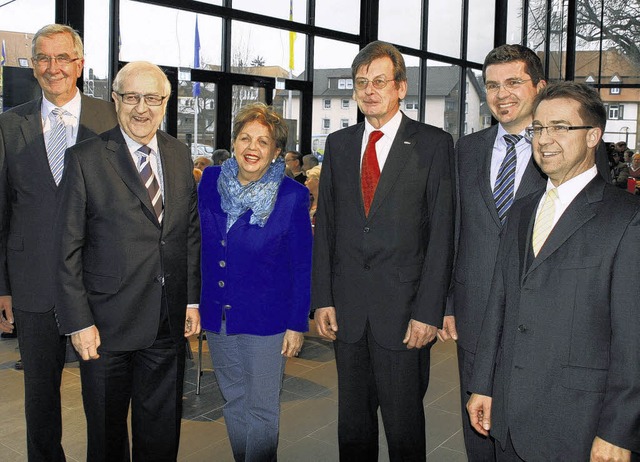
(505, 182)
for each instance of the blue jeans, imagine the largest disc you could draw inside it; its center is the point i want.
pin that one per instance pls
(249, 370)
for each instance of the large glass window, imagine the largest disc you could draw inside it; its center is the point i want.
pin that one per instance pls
(443, 97)
(197, 103)
(341, 15)
(445, 25)
(275, 8)
(96, 49)
(480, 30)
(400, 25)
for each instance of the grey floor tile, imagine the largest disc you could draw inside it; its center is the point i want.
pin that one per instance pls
(303, 419)
(456, 442)
(441, 426)
(446, 455)
(308, 450)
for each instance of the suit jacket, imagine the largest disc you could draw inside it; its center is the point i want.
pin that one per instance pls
(395, 263)
(265, 271)
(115, 259)
(478, 230)
(28, 197)
(559, 350)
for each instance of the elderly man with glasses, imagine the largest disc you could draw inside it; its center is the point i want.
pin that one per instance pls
(33, 138)
(129, 245)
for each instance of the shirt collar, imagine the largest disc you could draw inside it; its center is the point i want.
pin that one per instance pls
(134, 145)
(72, 107)
(568, 190)
(389, 129)
(502, 132)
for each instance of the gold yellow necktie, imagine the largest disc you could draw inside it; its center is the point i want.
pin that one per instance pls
(544, 220)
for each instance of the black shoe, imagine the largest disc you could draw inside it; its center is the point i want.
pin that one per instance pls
(18, 365)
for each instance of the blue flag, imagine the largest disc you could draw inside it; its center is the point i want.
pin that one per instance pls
(196, 59)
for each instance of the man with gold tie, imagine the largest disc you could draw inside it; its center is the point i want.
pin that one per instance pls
(557, 368)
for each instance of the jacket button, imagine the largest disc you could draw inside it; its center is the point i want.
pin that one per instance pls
(367, 229)
(367, 267)
(220, 283)
(222, 263)
(227, 307)
(162, 242)
(522, 328)
(223, 243)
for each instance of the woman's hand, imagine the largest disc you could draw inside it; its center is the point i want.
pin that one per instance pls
(292, 343)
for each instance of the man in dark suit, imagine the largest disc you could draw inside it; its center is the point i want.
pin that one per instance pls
(293, 166)
(30, 169)
(382, 259)
(129, 241)
(513, 76)
(557, 370)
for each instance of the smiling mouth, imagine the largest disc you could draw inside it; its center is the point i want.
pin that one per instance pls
(250, 158)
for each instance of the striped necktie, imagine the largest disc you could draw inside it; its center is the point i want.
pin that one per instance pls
(150, 181)
(57, 144)
(505, 182)
(544, 221)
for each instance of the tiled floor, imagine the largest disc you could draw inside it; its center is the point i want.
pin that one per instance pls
(308, 430)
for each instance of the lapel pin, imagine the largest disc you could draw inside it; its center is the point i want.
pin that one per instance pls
(407, 142)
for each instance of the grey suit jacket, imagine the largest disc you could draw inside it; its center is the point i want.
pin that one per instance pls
(115, 259)
(28, 197)
(559, 349)
(478, 231)
(395, 263)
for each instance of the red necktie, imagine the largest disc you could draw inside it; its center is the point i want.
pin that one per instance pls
(370, 170)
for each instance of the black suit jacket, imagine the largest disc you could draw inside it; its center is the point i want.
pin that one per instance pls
(28, 197)
(478, 230)
(559, 349)
(114, 255)
(395, 264)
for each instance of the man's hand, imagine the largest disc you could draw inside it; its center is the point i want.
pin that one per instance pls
(479, 409)
(292, 343)
(192, 322)
(448, 330)
(86, 343)
(602, 451)
(419, 334)
(6, 314)
(326, 323)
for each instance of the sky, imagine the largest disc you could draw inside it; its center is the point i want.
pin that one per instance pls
(168, 35)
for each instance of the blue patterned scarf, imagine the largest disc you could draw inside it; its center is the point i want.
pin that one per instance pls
(259, 196)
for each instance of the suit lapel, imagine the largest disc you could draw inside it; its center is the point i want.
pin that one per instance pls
(532, 180)
(574, 217)
(169, 169)
(397, 159)
(120, 159)
(32, 132)
(484, 173)
(351, 147)
(525, 229)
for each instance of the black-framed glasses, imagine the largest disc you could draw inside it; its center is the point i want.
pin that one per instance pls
(134, 98)
(378, 83)
(509, 85)
(554, 130)
(61, 60)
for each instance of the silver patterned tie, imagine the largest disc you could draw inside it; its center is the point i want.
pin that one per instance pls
(150, 181)
(57, 144)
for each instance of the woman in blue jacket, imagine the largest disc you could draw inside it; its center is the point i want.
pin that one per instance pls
(256, 271)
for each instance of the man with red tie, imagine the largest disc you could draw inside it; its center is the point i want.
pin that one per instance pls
(382, 259)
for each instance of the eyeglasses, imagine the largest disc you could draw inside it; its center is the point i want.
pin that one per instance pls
(509, 85)
(554, 130)
(134, 98)
(378, 83)
(61, 60)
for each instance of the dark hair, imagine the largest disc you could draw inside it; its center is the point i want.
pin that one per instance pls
(511, 53)
(219, 156)
(376, 50)
(296, 155)
(267, 116)
(591, 109)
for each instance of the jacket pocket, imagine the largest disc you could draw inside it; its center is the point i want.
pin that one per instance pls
(99, 283)
(584, 379)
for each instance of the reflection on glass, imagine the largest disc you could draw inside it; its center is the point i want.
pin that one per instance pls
(411, 103)
(243, 95)
(274, 8)
(260, 50)
(287, 104)
(400, 25)
(445, 24)
(342, 15)
(333, 106)
(443, 97)
(96, 49)
(197, 117)
(514, 22)
(169, 39)
(477, 115)
(480, 30)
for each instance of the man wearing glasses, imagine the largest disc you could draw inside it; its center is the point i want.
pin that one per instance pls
(493, 168)
(33, 138)
(129, 240)
(382, 260)
(556, 374)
